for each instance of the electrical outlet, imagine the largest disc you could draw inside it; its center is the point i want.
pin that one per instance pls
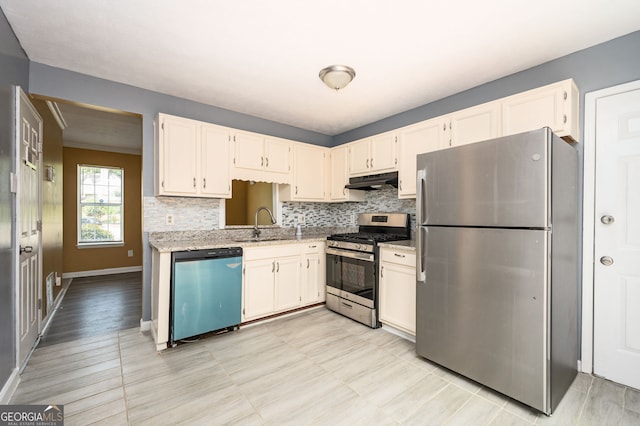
(301, 218)
(169, 219)
(130, 253)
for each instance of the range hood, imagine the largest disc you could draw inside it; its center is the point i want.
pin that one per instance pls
(371, 182)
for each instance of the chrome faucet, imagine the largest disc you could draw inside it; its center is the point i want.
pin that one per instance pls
(256, 230)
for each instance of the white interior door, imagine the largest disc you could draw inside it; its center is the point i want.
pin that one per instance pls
(29, 216)
(617, 239)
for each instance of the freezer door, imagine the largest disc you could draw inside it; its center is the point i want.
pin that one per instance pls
(482, 310)
(497, 183)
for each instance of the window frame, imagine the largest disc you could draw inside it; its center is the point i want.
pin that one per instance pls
(79, 204)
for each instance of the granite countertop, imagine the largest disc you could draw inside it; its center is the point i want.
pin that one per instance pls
(200, 240)
(186, 245)
(404, 244)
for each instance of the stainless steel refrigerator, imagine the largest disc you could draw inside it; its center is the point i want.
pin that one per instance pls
(497, 264)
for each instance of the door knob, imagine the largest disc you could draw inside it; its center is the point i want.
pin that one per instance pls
(607, 220)
(606, 260)
(26, 249)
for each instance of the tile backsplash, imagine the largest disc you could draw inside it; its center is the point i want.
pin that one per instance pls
(204, 213)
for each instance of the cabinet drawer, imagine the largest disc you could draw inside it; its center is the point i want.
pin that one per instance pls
(401, 257)
(271, 251)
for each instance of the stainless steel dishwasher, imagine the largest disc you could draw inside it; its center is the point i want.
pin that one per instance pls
(206, 291)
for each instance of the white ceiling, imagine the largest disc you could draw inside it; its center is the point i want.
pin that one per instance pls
(263, 57)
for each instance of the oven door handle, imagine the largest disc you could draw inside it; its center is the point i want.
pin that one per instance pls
(368, 257)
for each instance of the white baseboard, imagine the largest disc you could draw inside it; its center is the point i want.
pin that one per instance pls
(54, 308)
(98, 272)
(10, 387)
(145, 325)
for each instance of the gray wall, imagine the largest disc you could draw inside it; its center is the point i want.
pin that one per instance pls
(14, 70)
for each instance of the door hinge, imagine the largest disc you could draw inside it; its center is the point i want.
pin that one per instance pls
(39, 148)
(39, 225)
(39, 303)
(244, 268)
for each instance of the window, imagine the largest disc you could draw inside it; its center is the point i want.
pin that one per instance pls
(100, 205)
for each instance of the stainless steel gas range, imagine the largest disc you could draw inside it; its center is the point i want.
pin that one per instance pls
(352, 265)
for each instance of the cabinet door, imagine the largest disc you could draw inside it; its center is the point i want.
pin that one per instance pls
(312, 279)
(178, 156)
(215, 149)
(359, 158)
(398, 296)
(277, 155)
(248, 151)
(309, 172)
(258, 288)
(475, 124)
(339, 176)
(553, 106)
(383, 153)
(414, 140)
(287, 283)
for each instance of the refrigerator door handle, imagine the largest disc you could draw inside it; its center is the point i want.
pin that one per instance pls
(420, 254)
(420, 196)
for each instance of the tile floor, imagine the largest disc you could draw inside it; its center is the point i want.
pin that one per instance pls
(312, 368)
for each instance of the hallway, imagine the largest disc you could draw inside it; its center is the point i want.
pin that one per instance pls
(96, 305)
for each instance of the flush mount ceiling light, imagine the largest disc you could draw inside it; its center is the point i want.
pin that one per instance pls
(337, 76)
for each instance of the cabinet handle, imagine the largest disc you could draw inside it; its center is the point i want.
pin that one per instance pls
(344, 191)
(565, 119)
(267, 161)
(273, 266)
(307, 263)
(400, 184)
(372, 163)
(565, 95)
(194, 182)
(367, 163)
(261, 161)
(399, 255)
(204, 182)
(313, 246)
(296, 189)
(382, 271)
(277, 266)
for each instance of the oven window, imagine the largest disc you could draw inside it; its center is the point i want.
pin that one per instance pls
(352, 275)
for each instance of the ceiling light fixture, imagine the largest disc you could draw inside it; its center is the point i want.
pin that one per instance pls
(337, 76)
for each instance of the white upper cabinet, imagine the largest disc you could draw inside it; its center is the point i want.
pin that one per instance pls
(192, 158)
(474, 124)
(555, 106)
(417, 139)
(376, 154)
(261, 158)
(309, 174)
(339, 174)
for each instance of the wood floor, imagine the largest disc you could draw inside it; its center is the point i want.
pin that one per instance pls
(96, 305)
(312, 368)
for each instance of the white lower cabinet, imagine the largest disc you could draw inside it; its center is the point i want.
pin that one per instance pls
(282, 277)
(312, 284)
(397, 301)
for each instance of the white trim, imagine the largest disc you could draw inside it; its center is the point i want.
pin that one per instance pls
(588, 215)
(97, 272)
(145, 325)
(9, 387)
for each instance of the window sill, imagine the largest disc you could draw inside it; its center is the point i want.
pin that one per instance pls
(100, 245)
